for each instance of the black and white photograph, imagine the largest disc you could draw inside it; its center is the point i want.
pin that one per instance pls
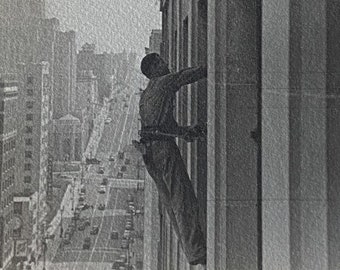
(169, 134)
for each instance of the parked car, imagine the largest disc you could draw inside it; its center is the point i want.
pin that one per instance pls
(94, 230)
(108, 120)
(119, 175)
(81, 198)
(67, 239)
(129, 198)
(81, 226)
(101, 206)
(83, 190)
(127, 161)
(121, 155)
(123, 168)
(114, 235)
(83, 206)
(87, 243)
(124, 244)
(111, 158)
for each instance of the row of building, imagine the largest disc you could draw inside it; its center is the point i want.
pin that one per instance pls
(50, 96)
(267, 176)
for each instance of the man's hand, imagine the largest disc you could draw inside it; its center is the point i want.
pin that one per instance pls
(139, 146)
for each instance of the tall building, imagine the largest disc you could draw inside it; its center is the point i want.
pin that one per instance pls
(8, 143)
(86, 104)
(267, 172)
(65, 65)
(155, 41)
(20, 29)
(67, 135)
(103, 67)
(33, 124)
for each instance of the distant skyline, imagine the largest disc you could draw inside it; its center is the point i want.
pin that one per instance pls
(113, 25)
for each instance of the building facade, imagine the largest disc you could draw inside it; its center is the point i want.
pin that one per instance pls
(67, 135)
(103, 67)
(267, 171)
(21, 29)
(155, 41)
(33, 124)
(8, 143)
(87, 102)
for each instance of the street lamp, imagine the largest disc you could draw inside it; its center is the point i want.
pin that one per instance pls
(61, 221)
(73, 188)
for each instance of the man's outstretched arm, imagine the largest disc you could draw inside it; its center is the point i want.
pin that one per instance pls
(189, 75)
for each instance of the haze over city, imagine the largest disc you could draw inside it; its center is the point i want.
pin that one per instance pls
(111, 24)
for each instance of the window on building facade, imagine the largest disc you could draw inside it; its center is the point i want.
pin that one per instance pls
(29, 129)
(29, 141)
(17, 233)
(27, 179)
(30, 79)
(29, 104)
(29, 117)
(28, 154)
(29, 92)
(28, 166)
(17, 208)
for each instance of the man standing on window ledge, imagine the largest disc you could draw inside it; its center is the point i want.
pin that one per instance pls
(162, 156)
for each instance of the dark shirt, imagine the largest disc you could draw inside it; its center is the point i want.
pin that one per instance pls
(156, 102)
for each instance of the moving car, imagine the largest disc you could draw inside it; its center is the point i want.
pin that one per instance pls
(92, 161)
(114, 235)
(118, 265)
(108, 120)
(87, 243)
(126, 234)
(104, 182)
(128, 226)
(81, 198)
(101, 206)
(94, 230)
(83, 206)
(102, 189)
(127, 161)
(121, 155)
(67, 239)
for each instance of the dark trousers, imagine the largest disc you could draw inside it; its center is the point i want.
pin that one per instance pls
(165, 165)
